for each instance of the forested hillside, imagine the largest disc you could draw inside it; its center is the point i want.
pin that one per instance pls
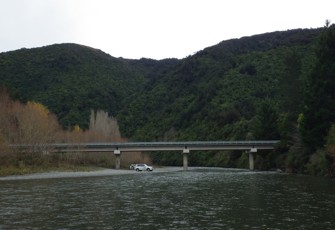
(221, 85)
(70, 80)
(250, 88)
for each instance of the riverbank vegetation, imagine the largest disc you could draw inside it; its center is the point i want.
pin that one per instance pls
(276, 85)
(33, 125)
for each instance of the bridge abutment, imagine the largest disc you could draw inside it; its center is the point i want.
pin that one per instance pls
(117, 154)
(252, 158)
(185, 158)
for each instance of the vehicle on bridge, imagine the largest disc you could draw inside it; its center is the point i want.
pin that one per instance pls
(143, 167)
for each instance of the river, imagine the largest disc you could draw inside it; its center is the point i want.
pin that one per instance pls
(201, 198)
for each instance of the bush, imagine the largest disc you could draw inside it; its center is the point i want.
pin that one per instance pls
(243, 161)
(318, 164)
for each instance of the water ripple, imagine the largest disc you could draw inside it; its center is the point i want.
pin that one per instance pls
(198, 199)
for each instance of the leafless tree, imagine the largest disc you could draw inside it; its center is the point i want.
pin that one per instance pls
(101, 124)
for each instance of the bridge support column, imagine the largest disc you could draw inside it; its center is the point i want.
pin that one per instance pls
(117, 154)
(251, 158)
(185, 158)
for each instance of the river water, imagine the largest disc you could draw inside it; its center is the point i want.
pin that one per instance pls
(200, 198)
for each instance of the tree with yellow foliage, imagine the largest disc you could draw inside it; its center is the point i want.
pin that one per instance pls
(30, 123)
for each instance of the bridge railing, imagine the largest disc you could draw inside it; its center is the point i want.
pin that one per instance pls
(153, 144)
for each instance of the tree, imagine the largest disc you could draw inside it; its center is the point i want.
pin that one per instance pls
(267, 122)
(30, 123)
(36, 125)
(319, 104)
(104, 126)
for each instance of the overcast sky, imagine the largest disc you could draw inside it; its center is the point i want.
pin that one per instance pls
(151, 28)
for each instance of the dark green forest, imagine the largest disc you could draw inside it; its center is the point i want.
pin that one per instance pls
(278, 85)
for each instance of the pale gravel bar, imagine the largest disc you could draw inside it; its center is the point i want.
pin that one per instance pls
(103, 172)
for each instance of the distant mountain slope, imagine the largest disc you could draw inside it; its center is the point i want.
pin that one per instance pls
(247, 88)
(205, 94)
(69, 79)
(250, 88)
(240, 89)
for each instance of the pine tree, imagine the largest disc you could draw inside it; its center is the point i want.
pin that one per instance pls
(319, 104)
(267, 125)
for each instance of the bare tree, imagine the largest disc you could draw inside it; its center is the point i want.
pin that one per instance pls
(104, 126)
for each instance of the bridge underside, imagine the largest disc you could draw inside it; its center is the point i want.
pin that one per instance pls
(185, 154)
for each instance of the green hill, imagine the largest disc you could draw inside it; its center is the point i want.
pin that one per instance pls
(216, 93)
(70, 80)
(239, 89)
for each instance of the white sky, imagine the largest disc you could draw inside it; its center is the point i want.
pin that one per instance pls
(151, 28)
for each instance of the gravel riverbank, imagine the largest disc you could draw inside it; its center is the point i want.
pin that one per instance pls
(102, 172)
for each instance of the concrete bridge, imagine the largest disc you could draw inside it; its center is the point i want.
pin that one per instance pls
(184, 147)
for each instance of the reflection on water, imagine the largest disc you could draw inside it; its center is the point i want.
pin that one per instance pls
(197, 199)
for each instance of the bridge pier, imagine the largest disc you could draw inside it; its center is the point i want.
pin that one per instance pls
(185, 158)
(251, 158)
(117, 154)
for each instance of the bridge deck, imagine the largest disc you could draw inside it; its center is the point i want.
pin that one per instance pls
(165, 146)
